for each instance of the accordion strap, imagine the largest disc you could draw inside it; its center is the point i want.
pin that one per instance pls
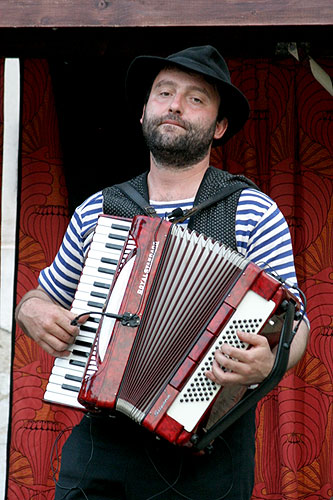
(134, 195)
(178, 215)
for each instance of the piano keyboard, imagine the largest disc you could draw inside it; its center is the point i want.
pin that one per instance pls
(92, 291)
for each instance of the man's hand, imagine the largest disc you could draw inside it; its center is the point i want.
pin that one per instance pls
(247, 367)
(49, 325)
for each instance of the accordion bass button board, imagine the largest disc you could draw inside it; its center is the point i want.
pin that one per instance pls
(198, 393)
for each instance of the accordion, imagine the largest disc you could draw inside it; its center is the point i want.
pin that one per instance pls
(175, 298)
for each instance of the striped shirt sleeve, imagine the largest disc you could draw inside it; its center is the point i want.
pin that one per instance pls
(262, 234)
(60, 279)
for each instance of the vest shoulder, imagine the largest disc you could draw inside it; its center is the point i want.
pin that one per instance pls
(228, 178)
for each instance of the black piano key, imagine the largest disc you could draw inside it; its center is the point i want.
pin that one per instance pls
(118, 237)
(75, 362)
(105, 270)
(75, 378)
(83, 343)
(98, 305)
(107, 260)
(120, 227)
(80, 353)
(99, 295)
(113, 246)
(86, 328)
(99, 284)
(68, 387)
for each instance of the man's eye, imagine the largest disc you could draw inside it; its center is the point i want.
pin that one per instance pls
(196, 100)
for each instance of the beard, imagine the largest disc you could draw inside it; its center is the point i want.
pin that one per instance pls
(173, 150)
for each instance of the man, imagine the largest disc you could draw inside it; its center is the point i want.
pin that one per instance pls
(190, 103)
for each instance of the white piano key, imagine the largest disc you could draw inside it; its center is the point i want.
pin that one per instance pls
(103, 271)
(87, 332)
(80, 350)
(74, 357)
(93, 282)
(96, 302)
(96, 253)
(62, 372)
(93, 288)
(106, 248)
(63, 397)
(109, 221)
(83, 341)
(80, 306)
(68, 363)
(105, 238)
(112, 233)
(97, 263)
(92, 274)
(60, 381)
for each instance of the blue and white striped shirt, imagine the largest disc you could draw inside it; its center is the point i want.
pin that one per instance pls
(262, 235)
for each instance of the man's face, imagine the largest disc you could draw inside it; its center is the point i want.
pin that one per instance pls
(179, 121)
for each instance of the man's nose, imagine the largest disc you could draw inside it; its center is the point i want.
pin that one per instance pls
(176, 104)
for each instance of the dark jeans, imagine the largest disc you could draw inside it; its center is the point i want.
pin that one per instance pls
(115, 459)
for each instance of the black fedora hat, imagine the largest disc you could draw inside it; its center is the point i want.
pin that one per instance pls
(205, 60)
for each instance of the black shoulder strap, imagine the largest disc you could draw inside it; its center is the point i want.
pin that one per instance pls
(134, 195)
(178, 215)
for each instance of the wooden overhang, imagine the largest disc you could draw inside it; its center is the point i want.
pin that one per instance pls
(140, 13)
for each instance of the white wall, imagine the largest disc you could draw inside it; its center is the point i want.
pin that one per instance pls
(11, 100)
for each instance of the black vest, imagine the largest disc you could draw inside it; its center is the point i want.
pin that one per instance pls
(216, 221)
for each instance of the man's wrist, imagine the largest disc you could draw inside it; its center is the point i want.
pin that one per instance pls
(32, 294)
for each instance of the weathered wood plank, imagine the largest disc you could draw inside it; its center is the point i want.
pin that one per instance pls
(132, 13)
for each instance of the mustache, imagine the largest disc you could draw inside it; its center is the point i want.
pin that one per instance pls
(175, 118)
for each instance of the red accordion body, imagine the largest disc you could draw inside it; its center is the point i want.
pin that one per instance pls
(189, 295)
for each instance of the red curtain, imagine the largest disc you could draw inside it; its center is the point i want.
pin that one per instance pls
(286, 148)
(35, 426)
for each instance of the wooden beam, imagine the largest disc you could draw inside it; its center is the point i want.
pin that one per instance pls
(159, 13)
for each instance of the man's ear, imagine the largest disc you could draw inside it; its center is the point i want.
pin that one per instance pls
(143, 112)
(221, 128)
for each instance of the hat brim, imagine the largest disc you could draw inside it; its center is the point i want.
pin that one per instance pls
(144, 69)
